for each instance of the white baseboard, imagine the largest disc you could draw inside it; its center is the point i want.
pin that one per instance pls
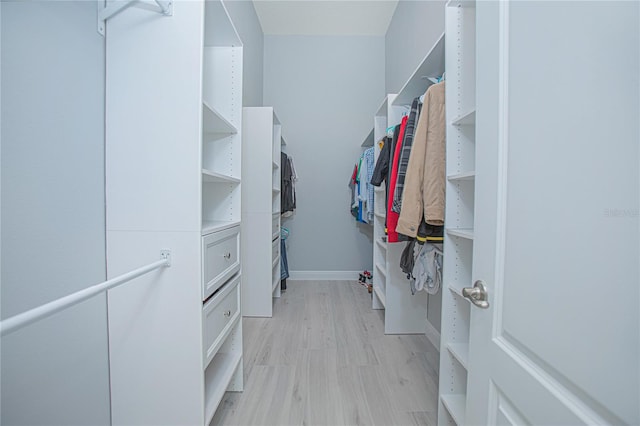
(323, 275)
(433, 335)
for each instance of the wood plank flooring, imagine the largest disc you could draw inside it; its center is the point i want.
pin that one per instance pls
(323, 359)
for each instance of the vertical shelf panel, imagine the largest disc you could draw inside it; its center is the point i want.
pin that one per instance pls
(460, 59)
(261, 210)
(221, 160)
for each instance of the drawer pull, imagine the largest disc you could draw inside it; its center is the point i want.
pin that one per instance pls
(227, 314)
(227, 256)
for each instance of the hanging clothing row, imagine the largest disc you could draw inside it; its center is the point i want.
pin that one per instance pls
(288, 181)
(288, 178)
(361, 189)
(412, 165)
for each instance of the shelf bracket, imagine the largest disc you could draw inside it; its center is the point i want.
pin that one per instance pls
(112, 8)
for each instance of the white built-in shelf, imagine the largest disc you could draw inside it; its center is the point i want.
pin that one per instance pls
(462, 233)
(457, 292)
(382, 110)
(461, 3)
(217, 377)
(466, 119)
(431, 66)
(213, 177)
(275, 166)
(455, 405)
(381, 244)
(275, 283)
(210, 226)
(380, 295)
(282, 141)
(460, 351)
(368, 141)
(462, 176)
(275, 262)
(214, 122)
(381, 269)
(276, 190)
(225, 34)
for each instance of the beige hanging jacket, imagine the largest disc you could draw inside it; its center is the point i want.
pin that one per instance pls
(424, 184)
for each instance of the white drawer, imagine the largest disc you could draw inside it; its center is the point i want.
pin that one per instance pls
(275, 226)
(218, 317)
(220, 259)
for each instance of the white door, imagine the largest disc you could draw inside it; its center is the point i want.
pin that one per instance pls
(557, 214)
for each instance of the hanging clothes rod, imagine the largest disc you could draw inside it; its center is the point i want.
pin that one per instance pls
(115, 7)
(18, 321)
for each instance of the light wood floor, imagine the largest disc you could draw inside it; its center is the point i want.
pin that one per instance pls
(323, 359)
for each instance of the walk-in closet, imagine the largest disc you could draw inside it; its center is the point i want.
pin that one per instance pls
(264, 212)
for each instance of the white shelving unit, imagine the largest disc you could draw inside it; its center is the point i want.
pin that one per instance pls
(404, 313)
(460, 204)
(368, 140)
(173, 180)
(261, 210)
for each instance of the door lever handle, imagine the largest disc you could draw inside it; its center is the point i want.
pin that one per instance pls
(477, 294)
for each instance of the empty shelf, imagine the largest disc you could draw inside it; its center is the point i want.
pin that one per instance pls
(466, 119)
(380, 295)
(214, 122)
(382, 270)
(217, 377)
(462, 233)
(455, 405)
(460, 351)
(381, 244)
(431, 66)
(213, 177)
(368, 141)
(462, 176)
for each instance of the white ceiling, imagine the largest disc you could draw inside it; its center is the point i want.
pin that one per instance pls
(325, 17)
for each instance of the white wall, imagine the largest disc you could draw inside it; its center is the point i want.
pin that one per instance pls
(325, 91)
(414, 28)
(53, 240)
(248, 26)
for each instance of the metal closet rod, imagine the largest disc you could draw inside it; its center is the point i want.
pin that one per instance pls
(21, 320)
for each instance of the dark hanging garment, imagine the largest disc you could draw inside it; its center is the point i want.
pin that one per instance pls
(287, 201)
(284, 265)
(403, 161)
(381, 170)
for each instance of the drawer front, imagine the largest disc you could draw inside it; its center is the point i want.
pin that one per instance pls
(275, 226)
(275, 250)
(218, 317)
(221, 259)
